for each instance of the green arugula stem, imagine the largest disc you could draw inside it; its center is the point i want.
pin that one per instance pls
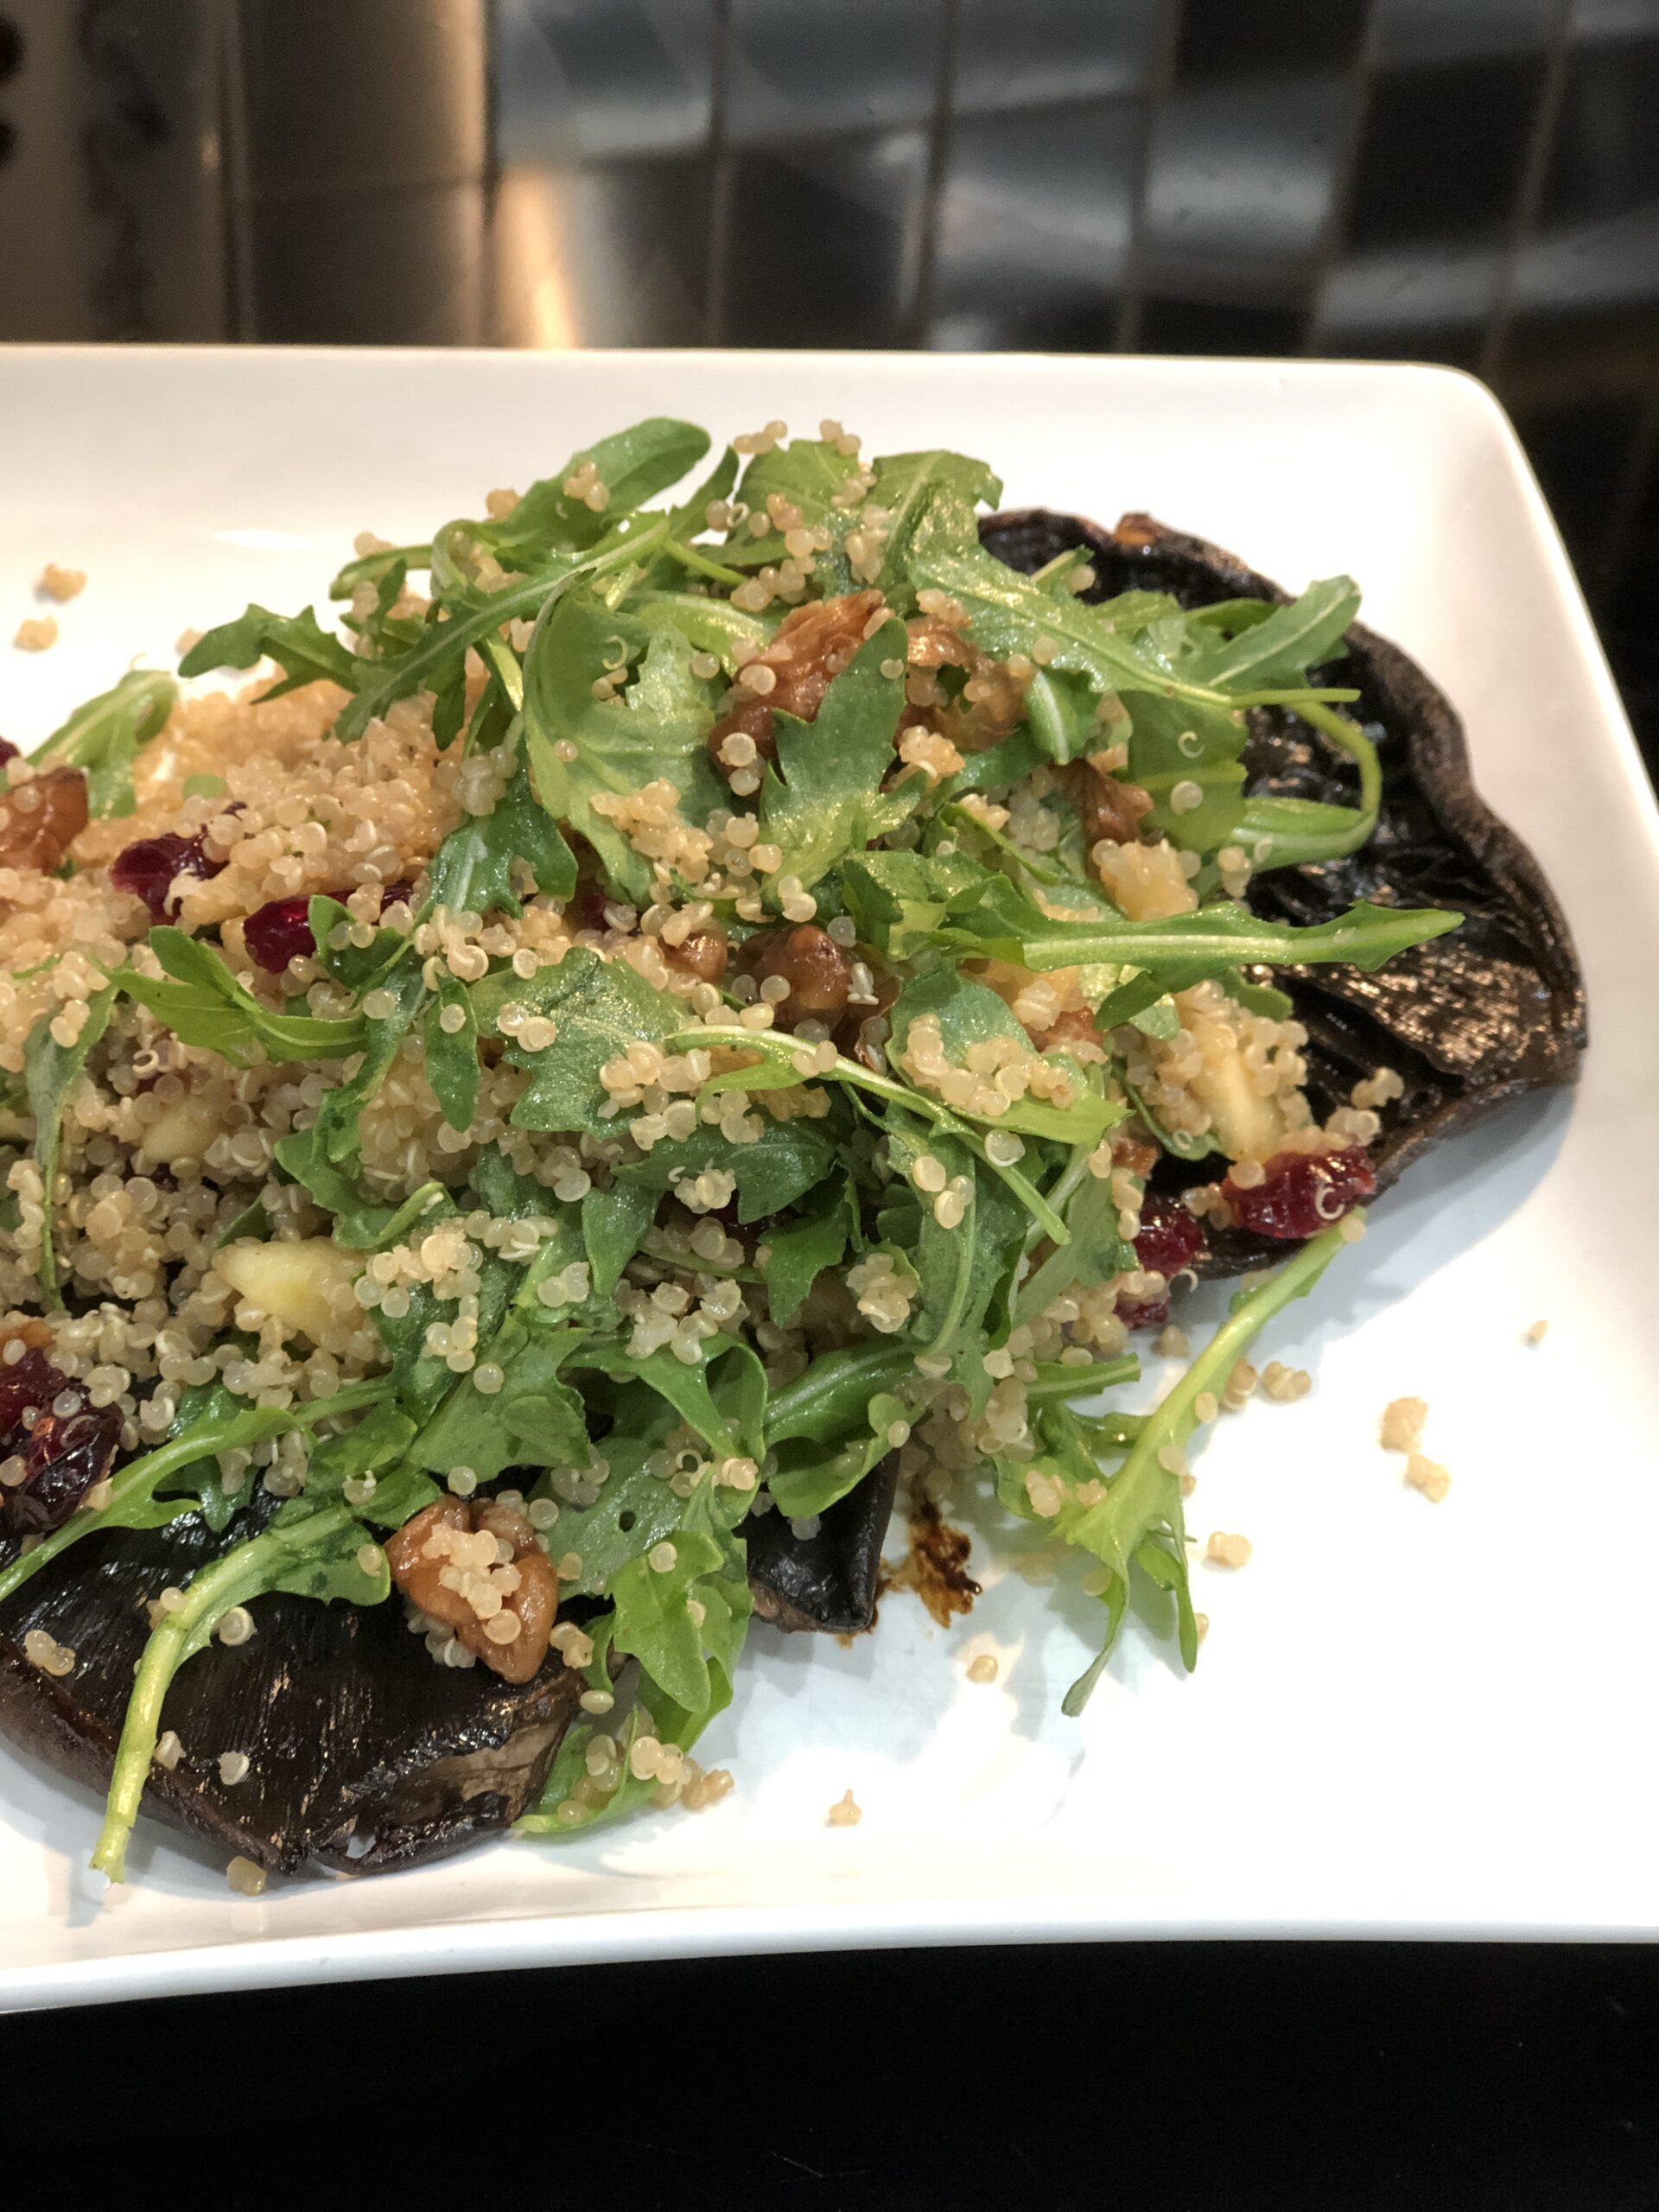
(699, 563)
(1144, 1492)
(858, 1077)
(514, 603)
(244, 1573)
(139, 1480)
(1055, 1380)
(508, 668)
(1340, 696)
(1299, 831)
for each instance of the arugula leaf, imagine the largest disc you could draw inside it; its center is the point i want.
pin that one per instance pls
(724, 1400)
(654, 732)
(933, 493)
(1182, 742)
(898, 900)
(709, 625)
(103, 735)
(1284, 645)
(613, 1225)
(1108, 644)
(825, 1401)
(301, 648)
(811, 1476)
(438, 663)
(634, 465)
(798, 1251)
(49, 1070)
(1096, 1252)
(420, 1378)
(452, 1066)
(204, 1005)
(690, 519)
(472, 871)
(1181, 950)
(824, 798)
(1139, 1516)
(653, 1618)
(808, 472)
(971, 1013)
(599, 1007)
(535, 1419)
(782, 1165)
(965, 1271)
(356, 967)
(361, 1223)
(381, 1037)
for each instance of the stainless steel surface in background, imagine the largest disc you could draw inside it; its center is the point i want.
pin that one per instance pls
(1474, 181)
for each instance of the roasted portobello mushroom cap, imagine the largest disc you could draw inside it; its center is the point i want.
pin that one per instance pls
(1490, 1013)
(363, 1756)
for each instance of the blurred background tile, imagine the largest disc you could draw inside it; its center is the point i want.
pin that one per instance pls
(823, 242)
(1474, 181)
(1408, 31)
(1221, 41)
(1045, 51)
(1241, 190)
(1036, 219)
(1187, 326)
(426, 123)
(797, 66)
(599, 79)
(613, 254)
(1441, 151)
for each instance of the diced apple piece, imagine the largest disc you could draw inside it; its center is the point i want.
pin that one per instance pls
(299, 1285)
(182, 1130)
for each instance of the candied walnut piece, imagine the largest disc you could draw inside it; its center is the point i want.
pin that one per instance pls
(447, 1561)
(1111, 810)
(702, 953)
(42, 819)
(813, 644)
(862, 1031)
(818, 971)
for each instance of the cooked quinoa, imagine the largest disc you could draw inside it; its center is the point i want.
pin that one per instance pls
(684, 1011)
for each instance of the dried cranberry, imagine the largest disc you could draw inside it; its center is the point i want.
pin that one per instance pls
(1142, 1312)
(278, 932)
(30, 1381)
(148, 867)
(1170, 1237)
(1301, 1193)
(8, 751)
(63, 1453)
(65, 1456)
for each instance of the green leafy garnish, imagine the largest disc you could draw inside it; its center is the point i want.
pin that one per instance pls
(104, 735)
(49, 1072)
(824, 798)
(202, 1003)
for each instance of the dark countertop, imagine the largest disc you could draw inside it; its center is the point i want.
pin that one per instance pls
(1257, 2077)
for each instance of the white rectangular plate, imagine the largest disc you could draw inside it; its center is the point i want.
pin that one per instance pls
(1408, 1719)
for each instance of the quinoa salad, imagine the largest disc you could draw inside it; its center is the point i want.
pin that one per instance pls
(655, 1022)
